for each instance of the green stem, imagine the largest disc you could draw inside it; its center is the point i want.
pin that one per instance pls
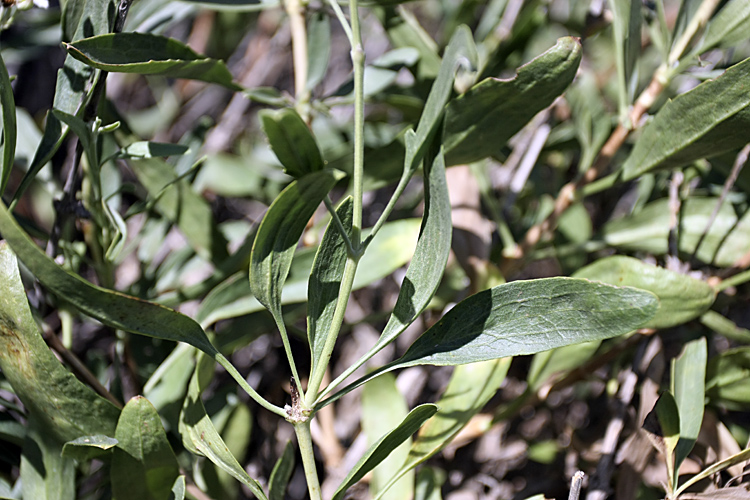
(402, 183)
(358, 62)
(304, 441)
(699, 20)
(229, 367)
(735, 280)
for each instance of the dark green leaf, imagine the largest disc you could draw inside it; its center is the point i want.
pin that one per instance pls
(45, 473)
(199, 434)
(291, 141)
(663, 426)
(526, 317)
(592, 122)
(688, 387)
(143, 464)
(110, 307)
(149, 54)
(706, 121)
(547, 364)
(478, 123)
(85, 448)
(380, 450)
(728, 379)
(325, 281)
(281, 474)
(681, 297)
(8, 105)
(59, 403)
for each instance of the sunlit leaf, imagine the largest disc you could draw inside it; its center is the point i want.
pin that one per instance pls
(88, 447)
(688, 387)
(292, 141)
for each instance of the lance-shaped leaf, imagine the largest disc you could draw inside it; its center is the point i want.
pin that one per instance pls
(114, 309)
(8, 106)
(380, 450)
(281, 474)
(325, 281)
(470, 388)
(278, 234)
(61, 405)
(709, 120)
(626, 25)
(292, 141)
(681, 297)
(143, 464)
(726, 28)
(689, 388)
(199, 434)
(148, 54)
(478, 123)
(662, 426)
(526, 317)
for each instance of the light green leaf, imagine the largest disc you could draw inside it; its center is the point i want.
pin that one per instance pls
(706, 121)
(383, 409)
(281, 474)
(147, 149)
(60, 405)
(429, 482)
(709, 471)
(728, 379)
(688, 387)
(199, 434)
(681, 297)
(726, 241)
(526, 317)
(558, 361)
(380, 450)
(112, 308)
(178, 489)
(473, 129)
(45, 473)
(626, 26)
(591, 120)
(292, 141)
(148, 54)
(404, 30)
(143, 464)
(8, 106)
(726, 327)
(85, 448)
(686, 13)
(667, 434)
(325, 281)
(318, 47)
(728, 27)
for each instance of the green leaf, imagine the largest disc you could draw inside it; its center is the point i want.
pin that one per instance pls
(112, 308)
(429, 482)
(178, 489)
(325, 281)
(626, 26)
(281, 474)
(728, 27)
(473, 129)
(143, 464)
(662, 426)
(148, 54)
(45, 473)
(526, 317)
(8, 106)
(728, 379)
(199, 434)
(278, 234)
(589, 115)
(726, 241)
(234, 5)
(726, 327)
(404, 30)
(318, 47)
(681, 297)
(59, 403)
(85, 448)
(385, 445)
(709, 471)
(558, 361)
(706, 121)
(688, 387)
(147, 149)
(469, 389)
(383, 409)
(292, 141)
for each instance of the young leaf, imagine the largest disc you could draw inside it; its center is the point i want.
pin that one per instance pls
(526, 317)
(325, 281)
(87, 447)
(8, 106)
(706, 121)
(199, 434)
(380, 450)
(143, 464)
(292, 141)
(688, 387)
(45, 473)
(472, 129)
(281, 474)
(383, 408)
(59, 403)
(681, 297)
(148, 54)
(111, 308)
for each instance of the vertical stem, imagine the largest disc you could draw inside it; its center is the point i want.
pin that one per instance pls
(296, 11)
(304, 441)
(358, 62)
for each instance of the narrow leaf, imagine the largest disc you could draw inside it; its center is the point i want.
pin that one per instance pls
(662, 426)
(626, 25)
(59, 403)
(706, 121)
(526, 317)
(112, 308)
(85, 448)
(45, 473)
(148, 54)
(318, 47)
(281, 474)
(709, 471)
(8, 106)
(380, 450)
(292, 141)
(688, 387)
(143, 465)
(728, 27)
(325, 281)
(473, 129)
(681, 297)
(429, 482)
(548, 364)
(728, 379)
(199, 434)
